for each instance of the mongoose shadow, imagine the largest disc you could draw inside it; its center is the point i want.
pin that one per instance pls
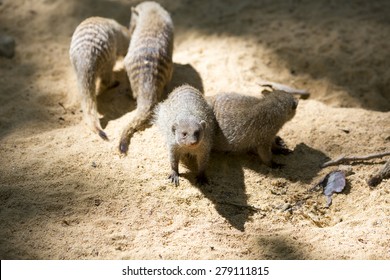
(280, 248)
(115, 102)
(302, 165)
(185, 74)
(227, 185)
(226, 188)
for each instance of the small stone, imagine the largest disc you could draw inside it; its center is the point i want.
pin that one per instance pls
(94, 165)
(97, 202)
(285, 207)
(7, 46)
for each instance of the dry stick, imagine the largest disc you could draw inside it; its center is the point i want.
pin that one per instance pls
(352, 158)
(276, 86)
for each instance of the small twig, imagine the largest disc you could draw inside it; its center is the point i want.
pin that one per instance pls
(353, 158)
(384, 173)
(276, 86)
(62, 105)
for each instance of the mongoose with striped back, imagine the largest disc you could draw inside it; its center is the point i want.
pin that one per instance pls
(148, 63)
(188, 124)
(247, 123)
(95, 46)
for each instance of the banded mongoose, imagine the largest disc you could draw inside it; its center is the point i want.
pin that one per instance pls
(148, 63)
(249, 123)
(188, 124)
(96, 45)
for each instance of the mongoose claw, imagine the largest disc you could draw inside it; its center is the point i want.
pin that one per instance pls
(279, 147)
(174, 177)
(281, 151)
(123, 146)
(103, 135)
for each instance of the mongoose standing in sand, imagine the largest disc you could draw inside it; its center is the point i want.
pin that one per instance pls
(249, 123)
(96, 44)
(148, 63)
(188, 123)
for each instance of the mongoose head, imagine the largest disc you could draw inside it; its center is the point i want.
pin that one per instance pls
(286, 102)
(188, 132)
(144, 7)
(133, 19)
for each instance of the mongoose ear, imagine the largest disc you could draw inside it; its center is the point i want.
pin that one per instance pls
(266, 92)
(203, 124)
(134, 11)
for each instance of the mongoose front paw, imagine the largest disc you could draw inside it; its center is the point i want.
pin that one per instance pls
(103, 135)
(174, 177)
(281, 151)
(374, 181)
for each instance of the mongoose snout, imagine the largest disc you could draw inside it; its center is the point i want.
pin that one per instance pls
(188, 132)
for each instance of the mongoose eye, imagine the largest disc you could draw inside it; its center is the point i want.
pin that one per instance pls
(184, 134)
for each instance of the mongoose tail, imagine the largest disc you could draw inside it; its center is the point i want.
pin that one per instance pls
(138, 122)
(89, 105)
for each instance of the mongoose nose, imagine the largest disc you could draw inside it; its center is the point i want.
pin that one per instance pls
(193, 143)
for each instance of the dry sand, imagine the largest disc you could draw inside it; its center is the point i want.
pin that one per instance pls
(66, 194)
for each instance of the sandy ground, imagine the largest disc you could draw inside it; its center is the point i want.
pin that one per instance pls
(66, 194)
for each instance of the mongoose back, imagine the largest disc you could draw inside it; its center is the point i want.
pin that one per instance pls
(250, 123)
(96, 44)
(148, 63)
(188, 124)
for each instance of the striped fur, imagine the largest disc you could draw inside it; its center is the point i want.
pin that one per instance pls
(148, 63)
(96, 44)
(249, 123)
(188, 123)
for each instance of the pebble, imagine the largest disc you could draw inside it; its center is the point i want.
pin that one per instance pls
(7, 46)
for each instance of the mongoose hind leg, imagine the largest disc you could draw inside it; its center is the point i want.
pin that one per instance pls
(202, 160)
(265, 155)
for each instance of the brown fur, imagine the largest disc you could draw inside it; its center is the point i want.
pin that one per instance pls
(148, 63)
(96, 44)
(187, 123)
(250, 123)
